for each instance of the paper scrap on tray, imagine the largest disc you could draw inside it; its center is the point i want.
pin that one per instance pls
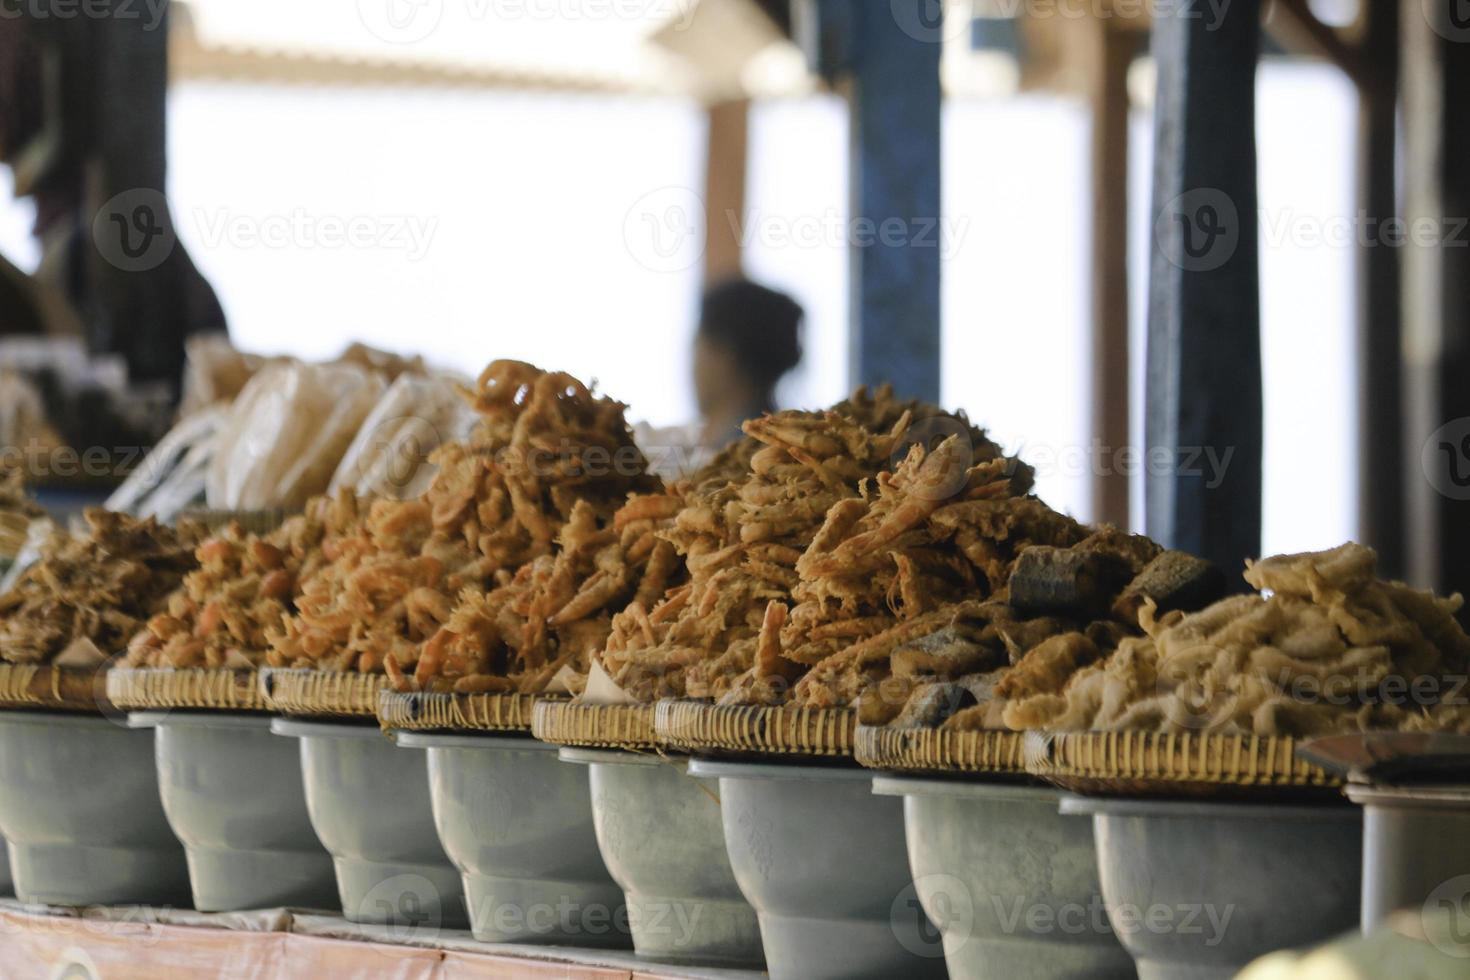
(602, 689)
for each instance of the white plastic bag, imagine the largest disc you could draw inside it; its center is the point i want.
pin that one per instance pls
(389, 457)
(287, 433)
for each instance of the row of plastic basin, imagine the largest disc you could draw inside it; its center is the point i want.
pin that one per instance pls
(814, 871)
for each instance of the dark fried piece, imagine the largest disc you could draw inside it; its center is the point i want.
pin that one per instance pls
(1173, 580)
(1069, 581)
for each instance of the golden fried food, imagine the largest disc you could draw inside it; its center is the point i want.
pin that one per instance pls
(1063, 605)
(245, 586)
(541, 629)
(1327, 648)
(811, 550)
(87, 596)
(543, 447)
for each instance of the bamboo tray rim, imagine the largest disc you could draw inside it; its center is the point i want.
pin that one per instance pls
(43, 686)
(785, 730)
(194, 688)
(595, 726)
(307, 692)
(1139, 763)
(428, 711)
(938, 751)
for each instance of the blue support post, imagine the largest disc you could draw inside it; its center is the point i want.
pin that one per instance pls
(1204, 415)
(887, 54)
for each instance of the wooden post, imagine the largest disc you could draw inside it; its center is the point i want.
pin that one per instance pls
(724, 189)
(1381, 455)
(1203, 423)
(1112, 52)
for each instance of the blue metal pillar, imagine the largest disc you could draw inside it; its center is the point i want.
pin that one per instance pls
(1204, 415)
(886, 55)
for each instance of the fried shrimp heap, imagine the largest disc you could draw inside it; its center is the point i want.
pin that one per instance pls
(245, 586)
(1326, 648)
(743, 538)
(540, 629)
(87, 596)
(543, 444)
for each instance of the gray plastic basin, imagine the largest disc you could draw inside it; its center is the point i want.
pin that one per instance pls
(82, 815)
(517, 822)
(824, 863)
(1416, 848)
(1010, 883)
(369, 805)
(1198, 890)
(664, 843)
(232, 794)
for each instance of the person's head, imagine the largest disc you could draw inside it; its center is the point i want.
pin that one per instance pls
(749, 337)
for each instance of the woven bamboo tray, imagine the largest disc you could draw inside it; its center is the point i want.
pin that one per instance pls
(595, 726)
(936, 750)
(38, 686)
(217, 690)
(699, 726)
(420, 711)
(328, 693)
(1190, 765)
(252, 521)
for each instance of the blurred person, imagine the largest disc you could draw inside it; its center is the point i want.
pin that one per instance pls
(749, 338)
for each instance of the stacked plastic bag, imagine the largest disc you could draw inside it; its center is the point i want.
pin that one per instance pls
(365, 422)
